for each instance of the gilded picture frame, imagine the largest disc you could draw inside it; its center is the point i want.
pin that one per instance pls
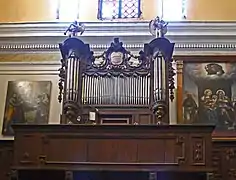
(206, 93)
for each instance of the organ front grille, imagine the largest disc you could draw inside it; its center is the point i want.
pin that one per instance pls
(116, 83)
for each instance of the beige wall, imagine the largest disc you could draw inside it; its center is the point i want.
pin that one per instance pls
(29, 72)
(45, 10)
(26, 10)
(211, 10)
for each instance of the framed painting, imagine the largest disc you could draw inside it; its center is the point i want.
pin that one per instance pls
(27, 102)
(206, 93)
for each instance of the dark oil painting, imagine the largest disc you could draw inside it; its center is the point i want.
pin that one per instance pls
(27, 102)
(210, 94)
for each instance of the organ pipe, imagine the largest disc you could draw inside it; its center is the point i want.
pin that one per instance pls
(72, 82)
(133, 91)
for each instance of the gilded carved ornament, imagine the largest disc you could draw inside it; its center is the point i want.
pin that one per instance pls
(180, 66)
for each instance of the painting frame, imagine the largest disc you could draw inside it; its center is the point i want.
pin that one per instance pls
(26, 102)
(181, 62)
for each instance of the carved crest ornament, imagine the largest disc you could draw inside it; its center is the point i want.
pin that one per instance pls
(117, 61)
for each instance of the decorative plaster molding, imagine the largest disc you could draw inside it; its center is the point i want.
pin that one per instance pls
(140, 28)
(30, 68)
(29, 57)
(190, 37)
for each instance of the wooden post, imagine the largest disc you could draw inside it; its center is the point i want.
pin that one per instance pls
(179, 104)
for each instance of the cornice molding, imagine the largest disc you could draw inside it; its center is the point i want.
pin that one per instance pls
(140, 28)
(195, 37)
(29, 68)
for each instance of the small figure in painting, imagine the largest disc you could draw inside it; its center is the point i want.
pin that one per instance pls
(214, 69)
(206, 96)
(14, 112)
(212, 109)
(213, 103)
(190, 109)
(234, 104)
(208, 101)
(225, 109)
(42, 108)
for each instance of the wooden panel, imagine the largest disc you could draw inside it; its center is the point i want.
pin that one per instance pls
(113, 147)
(179, 91)
(112, 150)
(145, 118)
(30, 149)
(198, 156)
(171, 151)
(6, 158)
(166, 149)
(224, 160)
(65, 149)
(151, 146)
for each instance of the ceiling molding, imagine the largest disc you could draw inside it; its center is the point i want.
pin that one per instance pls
(200, 37)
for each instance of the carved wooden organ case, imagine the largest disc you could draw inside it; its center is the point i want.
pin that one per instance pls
(119, 87)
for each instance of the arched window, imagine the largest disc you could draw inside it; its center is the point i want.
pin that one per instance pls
(67, 10)
(115, 9)
(172, 10)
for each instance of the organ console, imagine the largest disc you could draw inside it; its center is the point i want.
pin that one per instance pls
(120, 86)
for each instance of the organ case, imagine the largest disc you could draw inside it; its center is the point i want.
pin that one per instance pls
(117, 86)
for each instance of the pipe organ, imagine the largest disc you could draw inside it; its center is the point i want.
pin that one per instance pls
(116, 84)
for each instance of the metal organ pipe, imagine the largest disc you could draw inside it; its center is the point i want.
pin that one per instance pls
(102, 90)
(72, 80)
(159, 79)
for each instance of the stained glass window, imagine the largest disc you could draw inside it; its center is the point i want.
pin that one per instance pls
(115, 9)
(173, 10)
